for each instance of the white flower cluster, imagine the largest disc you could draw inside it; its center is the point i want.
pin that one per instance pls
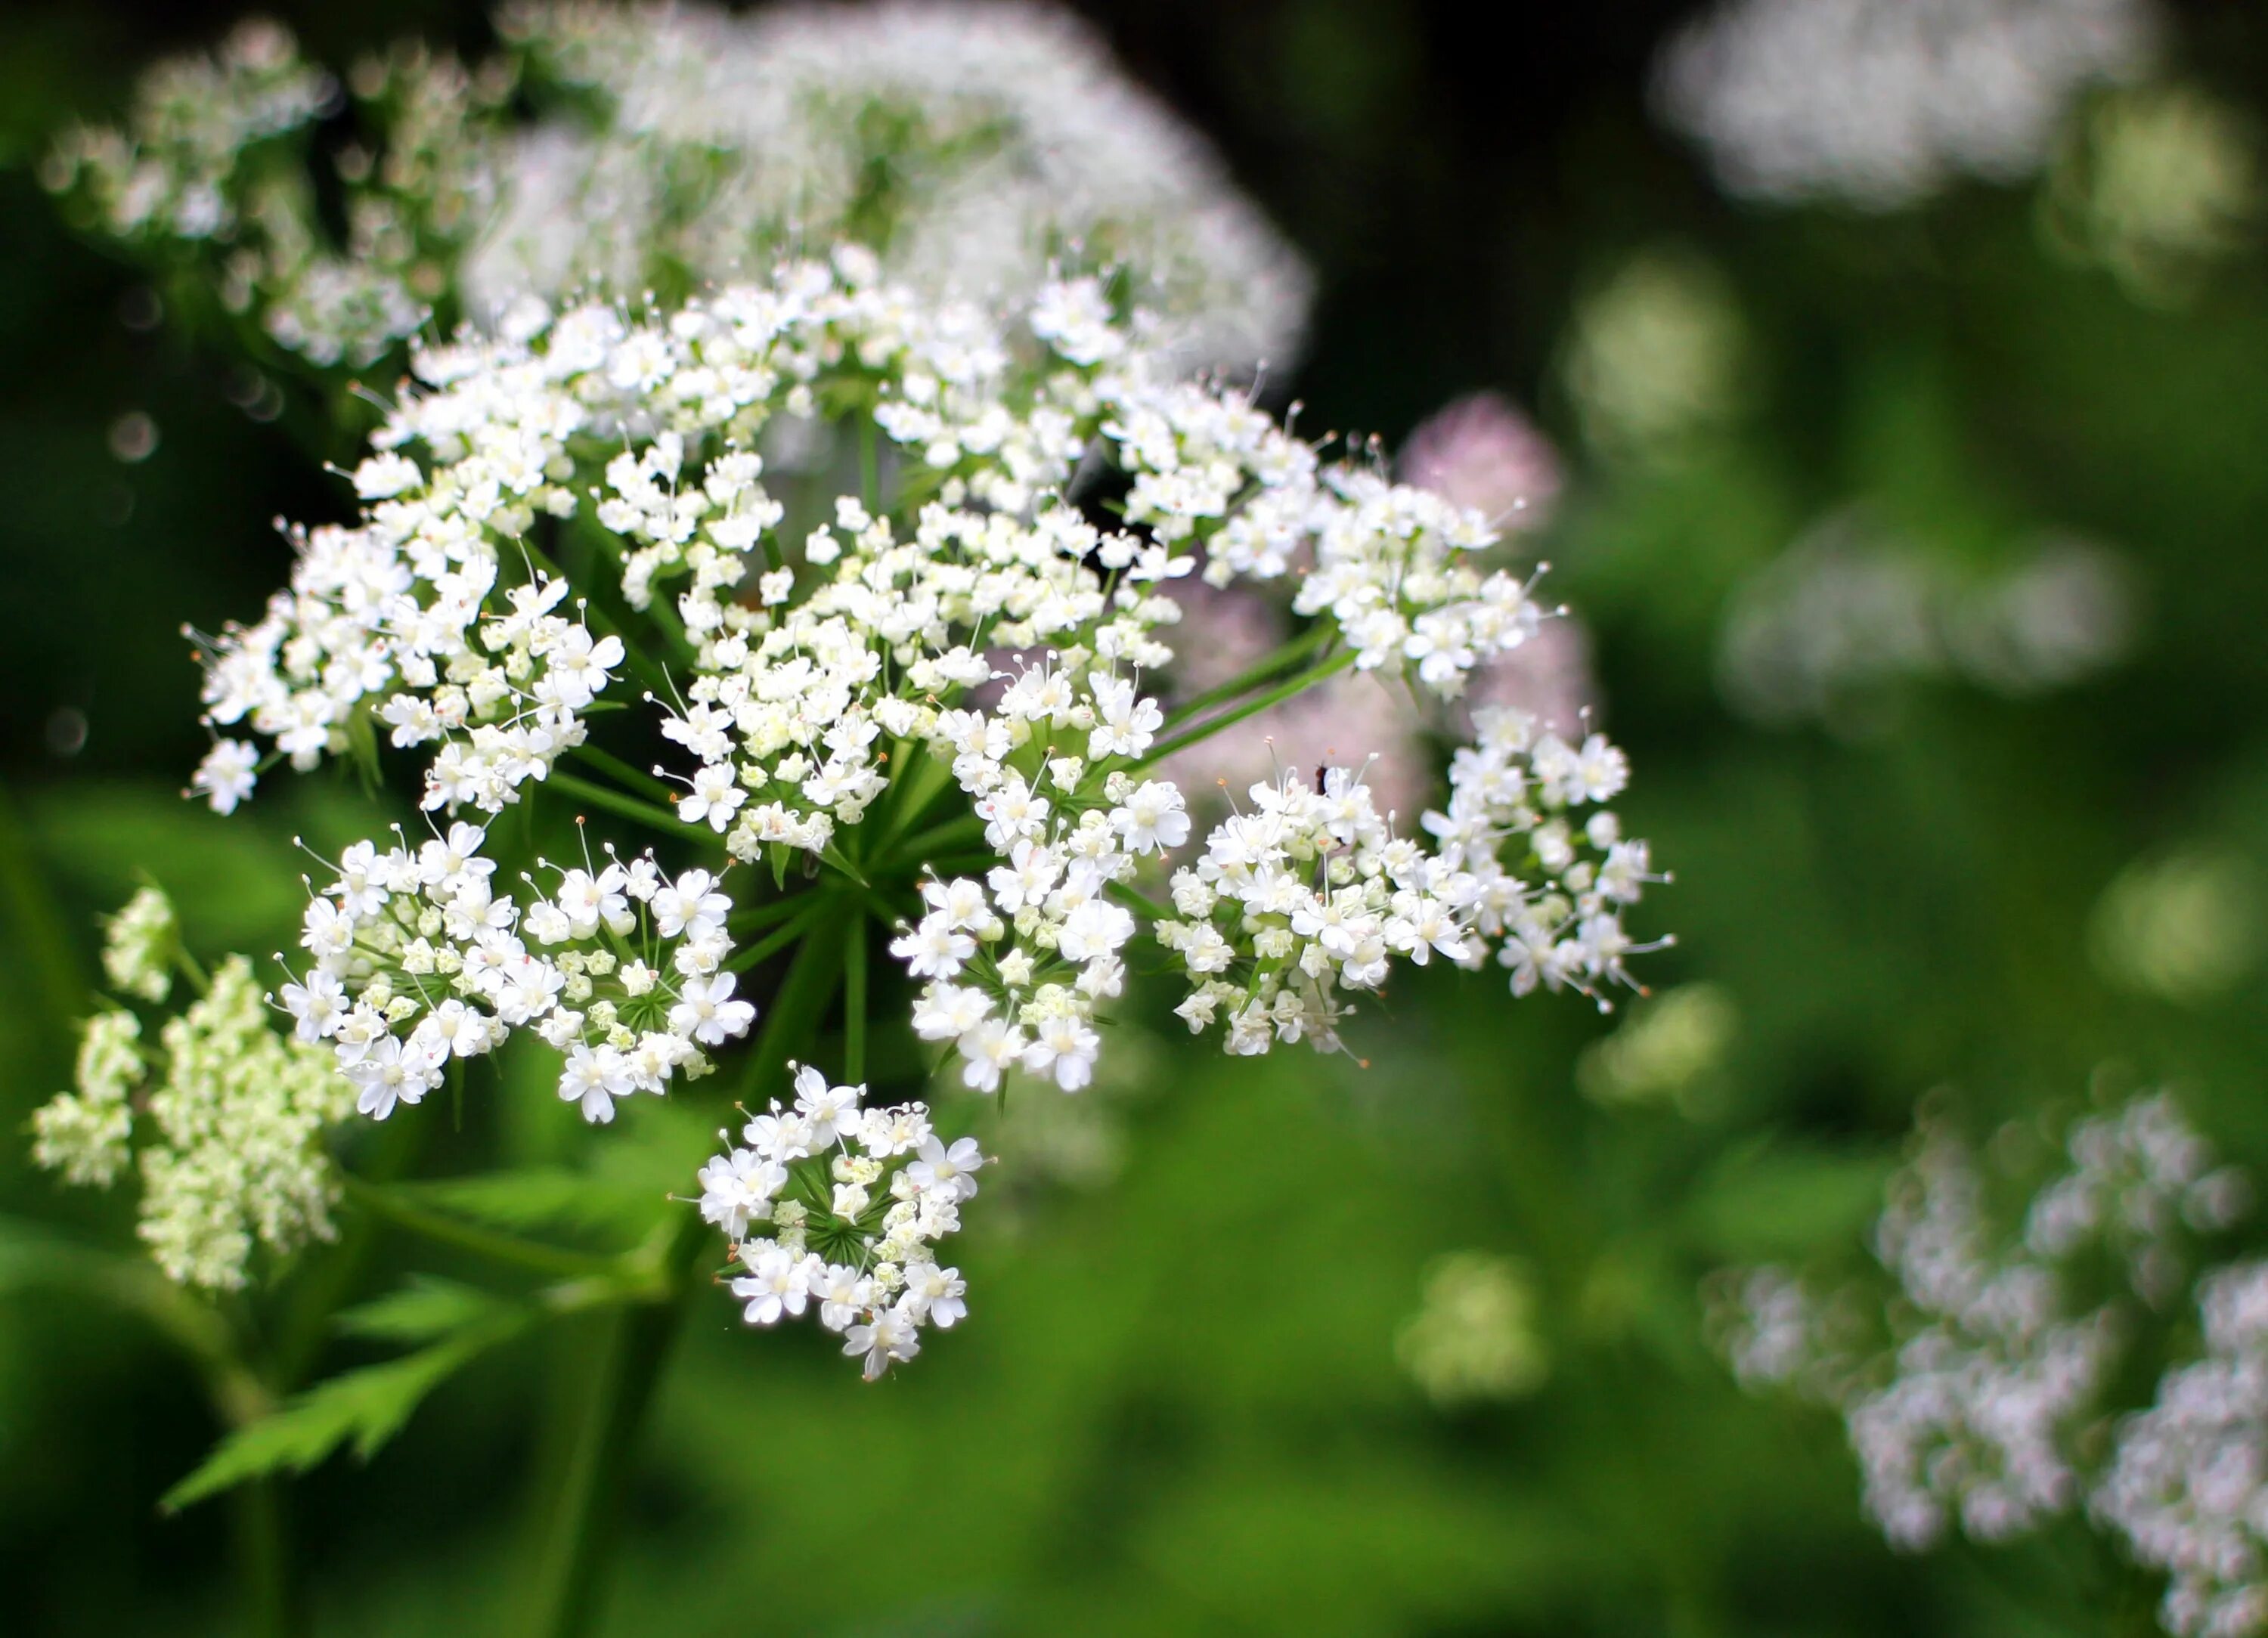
(2187, 1487)
(1852, 608)
(212, 168)
(975, 144)
(1880, 103)
(391, 626)
(980, 145)
(837, 1207)
(2001, 1352)
(418, 960)
(875, 640)
(232, 1116)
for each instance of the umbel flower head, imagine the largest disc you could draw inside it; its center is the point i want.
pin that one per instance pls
(230, 1116)
(975, 144)
(1974, 1395)
(918, 676)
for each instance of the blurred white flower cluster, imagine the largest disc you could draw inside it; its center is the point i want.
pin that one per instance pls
(1879, 104)
(975, 144)
(1825, 630)
(1978, 1394)
(978, 145)
(1657, 358)
(211, 176)
(1475, 1335)
(2160, 184)
(2187, 1489)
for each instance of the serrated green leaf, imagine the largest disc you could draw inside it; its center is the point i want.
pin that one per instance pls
(538, 1197)
(422, 1310)
(367, 1406)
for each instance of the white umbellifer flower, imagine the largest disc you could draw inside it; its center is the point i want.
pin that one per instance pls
(1007, 139)
(861, 654)
(230, 1116)
(941, 689)
(979, 145)
(1973, 1417)
(418, 962)
(825, 1208)
(227, 774)
(2187, 1487)
(1880, 103)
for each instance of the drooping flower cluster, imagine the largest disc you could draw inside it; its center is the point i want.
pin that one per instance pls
(1880, 103)
(2001, 1348)
(836, 1208)
(230, 1116)
(979, 145)
(419, 961)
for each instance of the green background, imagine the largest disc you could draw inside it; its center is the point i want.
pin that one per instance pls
(1176, 1407)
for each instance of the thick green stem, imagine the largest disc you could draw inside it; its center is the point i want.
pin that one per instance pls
(263, 1557)
(583, 1519)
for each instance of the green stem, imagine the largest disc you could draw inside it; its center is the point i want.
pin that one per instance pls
(1276, 695)
(607, 762)
(614, 801)
(854, 999)
(573, 1557)
(810, 908)
(263, 1560)
(1283, 656)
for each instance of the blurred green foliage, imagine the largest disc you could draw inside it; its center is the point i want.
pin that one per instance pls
(1177, 1405)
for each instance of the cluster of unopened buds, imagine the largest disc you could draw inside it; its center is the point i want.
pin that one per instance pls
(837, 1210)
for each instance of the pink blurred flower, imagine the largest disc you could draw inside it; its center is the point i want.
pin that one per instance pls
(1480, 451)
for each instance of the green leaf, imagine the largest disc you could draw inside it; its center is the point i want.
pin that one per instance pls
(542, 1196)
(368, 1406)
(424, 1309)
(777, 853)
